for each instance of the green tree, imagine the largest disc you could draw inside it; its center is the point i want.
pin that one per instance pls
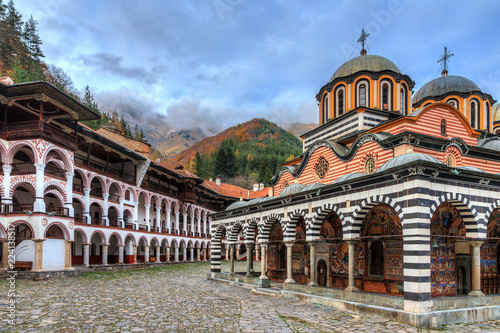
(32, 41)
(60, 79)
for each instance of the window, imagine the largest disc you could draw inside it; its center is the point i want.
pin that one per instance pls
(403, 101)
(474, 116)
(340, 102)
(450, 160)
(443, 127)
(322, 167)
(453, 102)
(377, 258)
(362, 94)
(385, 97)
(370, 165)
(325, 108)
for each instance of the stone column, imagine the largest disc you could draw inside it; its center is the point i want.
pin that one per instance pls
(158, 254)
(204, 254)
(120, 253)
(121, 221)
(238, 247)
(263, 275)
(312, 269)
(7, 169)
(86, 213)
(192, 224)
(476, 269)
(86, 253)
(134, 247)
(185, 223)
(198, 255)
(146, 253)
(136, 215)
(106, 208)
(168, 255)
(67, 255)
(227, 251)
(169, 227)
(5, 254)
(158, 218)
(146, 214)
(104, 254)
(257, 251)
(199, 225)
(38, 254)
(231, 259)
(184, 254)
(39, 205)
(289, 276)
(192, 254)
(69, 194)
(249, 259)
(176, 255)
(352, 281)
(177, 222)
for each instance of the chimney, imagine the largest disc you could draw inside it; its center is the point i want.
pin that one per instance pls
(211, 179)
(255, 187)
(261, 186)
(217, 181)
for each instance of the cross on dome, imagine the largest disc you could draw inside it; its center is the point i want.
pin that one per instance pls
(445, 58)
(362, 39)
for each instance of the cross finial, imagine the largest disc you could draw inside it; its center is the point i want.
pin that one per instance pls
(362, 39)
(445, 58)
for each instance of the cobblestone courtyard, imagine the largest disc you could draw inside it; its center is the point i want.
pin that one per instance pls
(178, 299)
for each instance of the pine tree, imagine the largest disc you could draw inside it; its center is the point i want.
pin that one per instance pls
(32, 41)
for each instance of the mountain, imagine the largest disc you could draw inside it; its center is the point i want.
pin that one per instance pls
(169, 142)
(298, 129)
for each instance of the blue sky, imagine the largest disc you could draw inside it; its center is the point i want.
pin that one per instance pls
(215, 63)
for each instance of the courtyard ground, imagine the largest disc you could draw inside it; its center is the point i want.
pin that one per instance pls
(178, 298)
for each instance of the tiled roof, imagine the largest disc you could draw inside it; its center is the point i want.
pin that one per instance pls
(259, 194)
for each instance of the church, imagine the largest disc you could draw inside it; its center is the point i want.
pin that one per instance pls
(394, 206)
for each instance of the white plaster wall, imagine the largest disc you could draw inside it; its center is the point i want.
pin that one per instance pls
(53, 254)
(25, 251)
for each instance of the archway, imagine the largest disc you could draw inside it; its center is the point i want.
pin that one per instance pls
(77, 248)
(300, 254)
(113, 249)
(128, 253)
(321, 273)
(96, 242)
(54, 240)
(276, 256)
(25, 247)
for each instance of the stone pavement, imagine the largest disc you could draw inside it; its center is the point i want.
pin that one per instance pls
(178, 299)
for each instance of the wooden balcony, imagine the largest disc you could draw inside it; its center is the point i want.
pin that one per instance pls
(33, 130)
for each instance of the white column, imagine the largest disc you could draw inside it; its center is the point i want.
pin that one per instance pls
(158, 254)
(121, 220)
(146, 253)
(184, 254)
(176, 255)
(398, 98)
(352, 261)
(192, 224)
(69, 194)
(289, 276)
(136, 215)
(177, 222)
(106, 206)
(7, 169)
(120, 253)
(39, 205)
(476, 269)
(263, 275)
(146, 214)
(192, 254)
(86, 191)
(312, 270)
(348, 97)
(184, 227)
(205, 230)
(158, 218)
(199, 224)
(86, 254)
(104, 254)
(168, 220)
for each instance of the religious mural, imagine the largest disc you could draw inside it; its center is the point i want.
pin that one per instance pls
(445, 222)
(490, 281)
(301, 255)
(276, 260)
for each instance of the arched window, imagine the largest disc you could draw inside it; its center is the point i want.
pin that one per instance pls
(443, 127)
(377, 258)
(385, 96)
(402, 96)
(325, 108)
(474, 114)
(450, 160)
(362, 95)
(453, 102)
(340, 101)
(370, 165)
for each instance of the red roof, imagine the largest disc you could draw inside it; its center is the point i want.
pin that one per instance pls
(259, 194)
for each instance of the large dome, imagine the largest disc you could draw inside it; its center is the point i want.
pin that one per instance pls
(444, 85)
(371, 63)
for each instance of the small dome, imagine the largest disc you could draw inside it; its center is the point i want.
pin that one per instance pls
(237, 204)
(470, 168)
(493, 144)
(312, 187)
(371, 63)
(292, 189)
(256, 200)
(349, 176)
(443, 85)
(407, 158)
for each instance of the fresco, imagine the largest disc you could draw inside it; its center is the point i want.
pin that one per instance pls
(393, 255)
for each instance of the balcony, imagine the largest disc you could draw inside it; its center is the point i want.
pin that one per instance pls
(114, 223)
(114, 198)
(187, 196)
(78, 188)
(16, 208)
(33, 129)
(101, 167)
(96, 221)
(23, 168)
(59, 211)
(96, 193)
(55, 171)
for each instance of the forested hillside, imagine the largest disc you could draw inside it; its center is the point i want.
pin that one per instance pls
(241, 155)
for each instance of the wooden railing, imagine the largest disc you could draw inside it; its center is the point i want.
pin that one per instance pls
(102, 167)
(23, 168)
(60, 211)
(96, 192)
(114, 223)
(78, 188)
(55, 171)
(114, 198)
(16, 208)
(96, 221)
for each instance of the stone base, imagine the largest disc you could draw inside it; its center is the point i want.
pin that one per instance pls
(249, 280)
(476, 293)
(312, 284)
(46, 275)
(351, 288)
(289, 281)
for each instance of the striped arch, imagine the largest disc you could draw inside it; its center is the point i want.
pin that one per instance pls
(57, 185)
(233, 233)
(81, 201)
(66, 159)
(84, 235)
(57, 194)
(289, 230)
(164, 242)
(146, 195)
(490, 210)
(143, 239)
(175, 205)
(196, 244)
(100, 233)
(154, 239)
(464, 207)
(131, 236)
(174, 243)
(133, 193)
(365, 206)
(203, 246)
(82, 174)
(2, 189)
(265, 227)
(60, 225)
(120, 241)
(99, 204)
(190, 244)
(13, 149)
(54, 160)
(215, 265)
(182, 244)
(3, 153)
(26, 182)
(117, 185)
(157, 201)
(314, 225)
(101, 180)
(249, 229)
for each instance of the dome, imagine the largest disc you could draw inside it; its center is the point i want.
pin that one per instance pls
(256, 200)
(349, 176)
(237, 204)
(407, 158)
(292, 189)
(443, 85)
(371, 63)
(493, 144)
(312, 187)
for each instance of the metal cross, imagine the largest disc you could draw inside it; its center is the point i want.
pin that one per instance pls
(445, 58)
(363, 37)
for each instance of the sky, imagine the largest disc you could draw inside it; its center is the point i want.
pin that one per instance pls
(212, 64)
